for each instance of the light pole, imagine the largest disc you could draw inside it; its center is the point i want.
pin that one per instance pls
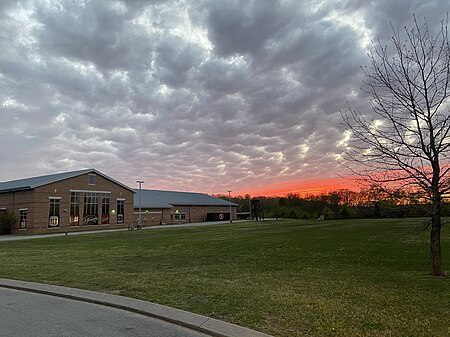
(229, 197)
(140, 182)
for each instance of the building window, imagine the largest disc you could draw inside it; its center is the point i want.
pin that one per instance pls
(53, 215)
(171, 216)
(183, 216)
(90, 209)
(23, 214)
(74, 209)
(91, 179)
(120, 211)
(177, 216)
(105, 208)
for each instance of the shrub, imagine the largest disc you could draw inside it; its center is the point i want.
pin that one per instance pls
(7, 221)
(292, 214)
(328, 213)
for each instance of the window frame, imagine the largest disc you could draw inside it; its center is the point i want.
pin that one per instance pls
(74, 215)
(120, 203)
(54, 213)
(23, 218)
(90, 209)
(106, 206)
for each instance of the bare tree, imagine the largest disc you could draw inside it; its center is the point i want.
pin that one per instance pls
(406, 141)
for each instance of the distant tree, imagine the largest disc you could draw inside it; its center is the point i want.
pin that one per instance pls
(407, 142)
(343, 212)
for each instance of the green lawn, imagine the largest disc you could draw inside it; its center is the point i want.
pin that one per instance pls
(286, 278)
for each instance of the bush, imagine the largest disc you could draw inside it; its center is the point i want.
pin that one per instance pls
(292, 214)
(328, 213)
(7, 221)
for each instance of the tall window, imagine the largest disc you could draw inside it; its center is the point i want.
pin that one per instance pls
(90, 209)
(74, 208)
(53, 214)
(105, 208)
(120, 211)
(23, 214)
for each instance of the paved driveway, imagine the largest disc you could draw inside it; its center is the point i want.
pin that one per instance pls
(24, 314)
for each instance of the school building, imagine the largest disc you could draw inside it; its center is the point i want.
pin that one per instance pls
(89, 199)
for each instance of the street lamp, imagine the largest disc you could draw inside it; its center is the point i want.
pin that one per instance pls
(229, 196)
(140, 182)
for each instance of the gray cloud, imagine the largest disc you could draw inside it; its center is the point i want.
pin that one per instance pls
(241, 27)
(205, 96)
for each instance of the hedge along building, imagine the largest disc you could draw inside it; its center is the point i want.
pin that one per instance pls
(181, 207)
(69, 201)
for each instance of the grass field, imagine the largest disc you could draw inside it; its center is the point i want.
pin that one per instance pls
(286, 278)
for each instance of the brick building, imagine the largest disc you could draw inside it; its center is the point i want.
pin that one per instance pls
(69, 201)
(88, 199)
(180, 207)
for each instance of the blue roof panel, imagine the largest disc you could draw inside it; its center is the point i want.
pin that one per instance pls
(151, 198)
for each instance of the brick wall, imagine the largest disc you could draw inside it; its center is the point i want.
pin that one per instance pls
(14, 201)
(192, 214)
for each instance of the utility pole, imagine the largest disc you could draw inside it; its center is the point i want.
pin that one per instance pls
(140, 182)
(229, 197)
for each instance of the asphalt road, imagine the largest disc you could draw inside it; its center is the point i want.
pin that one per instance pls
(24, 314)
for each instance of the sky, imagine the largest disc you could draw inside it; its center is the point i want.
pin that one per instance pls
(204, 96)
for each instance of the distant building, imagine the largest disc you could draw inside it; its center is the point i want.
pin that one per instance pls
(69, 201)
(169, 207)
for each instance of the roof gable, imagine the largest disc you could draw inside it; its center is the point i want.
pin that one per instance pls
(34, 182)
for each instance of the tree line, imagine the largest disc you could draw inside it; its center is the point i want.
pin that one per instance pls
(371, 202)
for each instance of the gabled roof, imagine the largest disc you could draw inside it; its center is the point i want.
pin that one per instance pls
(31, 183)
(169, 199)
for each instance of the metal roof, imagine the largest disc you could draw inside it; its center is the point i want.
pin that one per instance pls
(31, 183)
(169, 199)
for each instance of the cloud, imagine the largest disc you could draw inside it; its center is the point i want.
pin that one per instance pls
(203, 96)
(246, 27)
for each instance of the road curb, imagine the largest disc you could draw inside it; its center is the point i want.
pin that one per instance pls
(183, 318)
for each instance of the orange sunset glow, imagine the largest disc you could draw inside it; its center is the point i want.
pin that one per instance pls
(302, 187)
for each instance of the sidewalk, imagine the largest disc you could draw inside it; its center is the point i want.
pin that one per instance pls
(40, 236)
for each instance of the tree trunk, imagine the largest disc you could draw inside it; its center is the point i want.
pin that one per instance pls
(435, 238)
